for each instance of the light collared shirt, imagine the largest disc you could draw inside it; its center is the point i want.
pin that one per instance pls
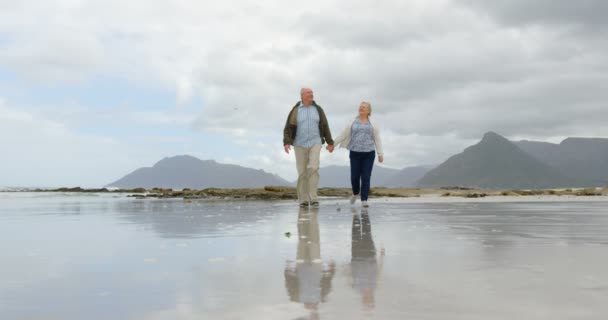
(307, 133)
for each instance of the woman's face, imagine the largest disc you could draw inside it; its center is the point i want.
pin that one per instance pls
(363, 110)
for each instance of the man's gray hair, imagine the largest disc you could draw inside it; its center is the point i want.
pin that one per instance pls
(303, 89)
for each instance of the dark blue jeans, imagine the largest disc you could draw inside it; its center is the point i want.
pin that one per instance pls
(361, 164)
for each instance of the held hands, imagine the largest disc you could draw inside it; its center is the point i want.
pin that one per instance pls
(381, 158)
(287, 148)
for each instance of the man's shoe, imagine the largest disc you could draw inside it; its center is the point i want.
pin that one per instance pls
(353, 198)
(304, 204)
(314, 203)
(364, 204)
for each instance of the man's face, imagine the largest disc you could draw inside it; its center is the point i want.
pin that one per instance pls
(307, 95)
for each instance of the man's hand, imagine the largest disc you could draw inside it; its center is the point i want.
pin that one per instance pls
(287, 148)
(330, 148)
(381, 158)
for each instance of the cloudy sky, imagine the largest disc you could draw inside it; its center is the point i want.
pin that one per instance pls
(90, 90)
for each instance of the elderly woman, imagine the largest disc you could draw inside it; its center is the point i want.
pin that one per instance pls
(362, 138)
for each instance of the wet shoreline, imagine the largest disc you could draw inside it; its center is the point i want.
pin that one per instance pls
(289, 193)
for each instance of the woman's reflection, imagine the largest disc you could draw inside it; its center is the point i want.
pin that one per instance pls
(365, 266)
(308, 280)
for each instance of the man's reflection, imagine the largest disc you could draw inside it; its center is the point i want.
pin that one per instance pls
(365, 266)
(308, 280)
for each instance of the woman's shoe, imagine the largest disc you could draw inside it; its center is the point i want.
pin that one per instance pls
(364, 204)
(353, 198)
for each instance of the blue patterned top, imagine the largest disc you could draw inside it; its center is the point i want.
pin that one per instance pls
(362, 137)
(307, 133)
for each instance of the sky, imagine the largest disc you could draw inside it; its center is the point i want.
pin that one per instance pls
(91, 90)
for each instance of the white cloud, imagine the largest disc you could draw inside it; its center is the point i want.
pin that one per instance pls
(40, 151)
(37, 152)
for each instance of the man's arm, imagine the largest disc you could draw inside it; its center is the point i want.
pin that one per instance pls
(287, 140)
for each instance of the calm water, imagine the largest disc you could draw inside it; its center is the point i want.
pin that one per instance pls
(103, 257)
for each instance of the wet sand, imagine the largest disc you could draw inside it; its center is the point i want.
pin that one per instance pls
(105, 256)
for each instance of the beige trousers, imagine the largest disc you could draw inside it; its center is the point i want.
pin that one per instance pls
(307, 162)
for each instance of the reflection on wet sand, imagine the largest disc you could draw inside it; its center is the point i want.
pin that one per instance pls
(308, 279)
(366, 264)
(113, 258)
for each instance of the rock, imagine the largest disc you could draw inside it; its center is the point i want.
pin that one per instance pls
(476, 195)
(456, 188)
(589, 192)
(522, 192)
(275, 189)
(76, 189)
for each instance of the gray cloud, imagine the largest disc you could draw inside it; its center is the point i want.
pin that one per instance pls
(589, 13)
(439, 73)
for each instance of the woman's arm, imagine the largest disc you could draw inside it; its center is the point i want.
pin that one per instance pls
(378, 142)
(343, 135)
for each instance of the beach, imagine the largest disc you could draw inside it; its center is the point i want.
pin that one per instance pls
(104, 255)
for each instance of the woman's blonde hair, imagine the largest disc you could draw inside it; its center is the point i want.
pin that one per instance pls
(368, 105)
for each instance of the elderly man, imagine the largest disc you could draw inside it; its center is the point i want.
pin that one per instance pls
(307, 130)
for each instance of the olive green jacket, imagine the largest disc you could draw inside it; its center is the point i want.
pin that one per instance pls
(291, 126)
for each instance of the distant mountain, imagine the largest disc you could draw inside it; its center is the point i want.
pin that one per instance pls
(496, 162)
(582, 158)
(189, 172)
(339, 176)
(407, 177)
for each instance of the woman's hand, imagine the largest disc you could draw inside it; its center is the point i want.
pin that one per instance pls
(381, 158)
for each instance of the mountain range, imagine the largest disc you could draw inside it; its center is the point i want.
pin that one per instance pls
(339, 176)
(582, 158)
(190, 172)
(494, 162)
